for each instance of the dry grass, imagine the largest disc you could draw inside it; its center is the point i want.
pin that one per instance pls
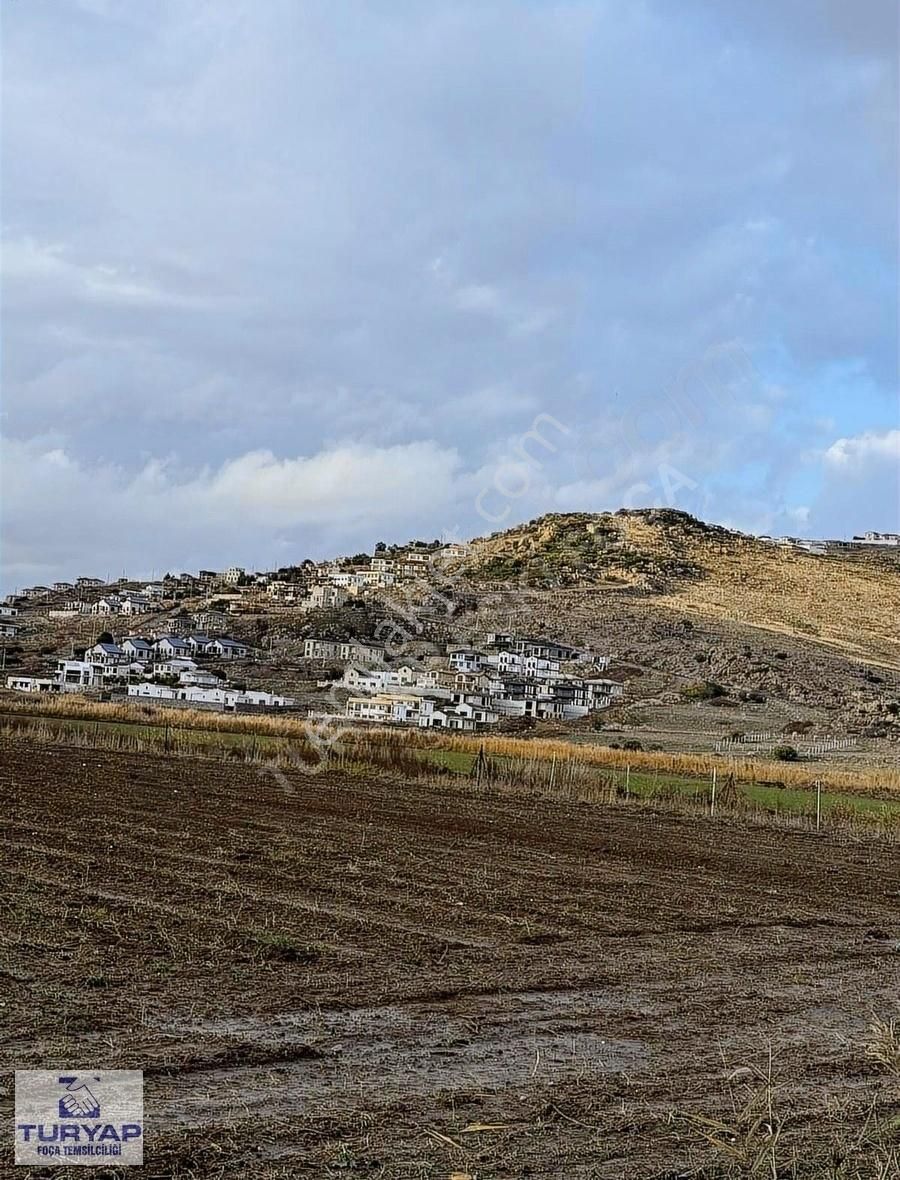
(753, 1140)
(877, 781)
(847, 601)
(745, 770)
(883, 1044)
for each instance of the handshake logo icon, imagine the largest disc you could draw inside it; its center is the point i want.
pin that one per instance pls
(78, 1101)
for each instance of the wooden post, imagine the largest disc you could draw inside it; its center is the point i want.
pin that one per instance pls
(818, 804)
(712, 797)
(627, 782)
(552, 770)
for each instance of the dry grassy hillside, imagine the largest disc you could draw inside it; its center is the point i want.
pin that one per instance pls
(847, 601)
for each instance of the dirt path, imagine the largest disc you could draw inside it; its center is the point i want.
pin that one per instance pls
(346, 978)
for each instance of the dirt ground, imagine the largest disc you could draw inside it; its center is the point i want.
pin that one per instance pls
(328, 976)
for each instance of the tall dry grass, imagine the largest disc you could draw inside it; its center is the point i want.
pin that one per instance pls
(389, 752)
(364, 739)
(746, 770)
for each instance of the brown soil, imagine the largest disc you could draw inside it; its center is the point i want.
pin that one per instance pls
(335, 976)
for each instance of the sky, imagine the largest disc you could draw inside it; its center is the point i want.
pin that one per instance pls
(282, 280)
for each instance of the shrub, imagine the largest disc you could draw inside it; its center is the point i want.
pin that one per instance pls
(632, 744)
(786, 754)
(702, 690)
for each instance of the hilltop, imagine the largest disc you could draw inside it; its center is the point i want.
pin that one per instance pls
(846, 599)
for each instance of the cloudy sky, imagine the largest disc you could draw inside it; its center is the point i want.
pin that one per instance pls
(283, 279)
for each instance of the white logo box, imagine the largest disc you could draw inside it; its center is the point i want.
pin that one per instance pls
(87, 1117)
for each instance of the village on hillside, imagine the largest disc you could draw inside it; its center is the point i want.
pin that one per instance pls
(447, 634)
(183, 658)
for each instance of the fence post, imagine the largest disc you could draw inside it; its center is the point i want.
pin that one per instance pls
(552, 770)
(712, 797)
(627, 782)
(818, 804)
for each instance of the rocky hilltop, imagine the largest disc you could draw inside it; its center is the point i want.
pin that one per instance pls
(847, 599)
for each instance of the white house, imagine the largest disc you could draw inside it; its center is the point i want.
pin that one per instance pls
(8, 612)
(425, 712)
(227, 698)
(134, 604)
(33, 684)
(198, 677)
(172, 645)
(138, 649)
(233, 575)
(325, 597)
(228, 649)
(110, 604)
(519, 664)
(452, 552)
(283, 591)
(210, 620)
(404, 678)
(9, 630)
(75, 675)
(199, 643)
(466, 659)
(174, 667)
(106, 655)
(387, 708)
(337, 649)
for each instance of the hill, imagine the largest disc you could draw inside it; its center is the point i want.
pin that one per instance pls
(847, 599)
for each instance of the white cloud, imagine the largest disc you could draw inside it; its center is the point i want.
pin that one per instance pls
(41, 272)
(63, 515)
(860, 486)
(854, 454)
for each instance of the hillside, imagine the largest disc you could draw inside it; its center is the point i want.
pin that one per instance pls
(847, 601)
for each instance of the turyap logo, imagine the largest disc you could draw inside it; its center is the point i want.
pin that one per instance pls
(78, 1101)
(88, 1117)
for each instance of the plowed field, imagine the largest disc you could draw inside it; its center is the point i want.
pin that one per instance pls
(346, 976)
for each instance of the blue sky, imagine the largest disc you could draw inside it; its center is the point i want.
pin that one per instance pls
(285, 279)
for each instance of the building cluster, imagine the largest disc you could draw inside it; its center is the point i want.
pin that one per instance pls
(331, 584)
(312, 585)
(471, 687)
(868, 540)
(164, 669)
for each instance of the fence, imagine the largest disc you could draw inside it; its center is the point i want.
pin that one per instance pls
(815, 750)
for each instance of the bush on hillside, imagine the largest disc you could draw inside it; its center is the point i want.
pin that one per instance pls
(702, 690)
(786, 754)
